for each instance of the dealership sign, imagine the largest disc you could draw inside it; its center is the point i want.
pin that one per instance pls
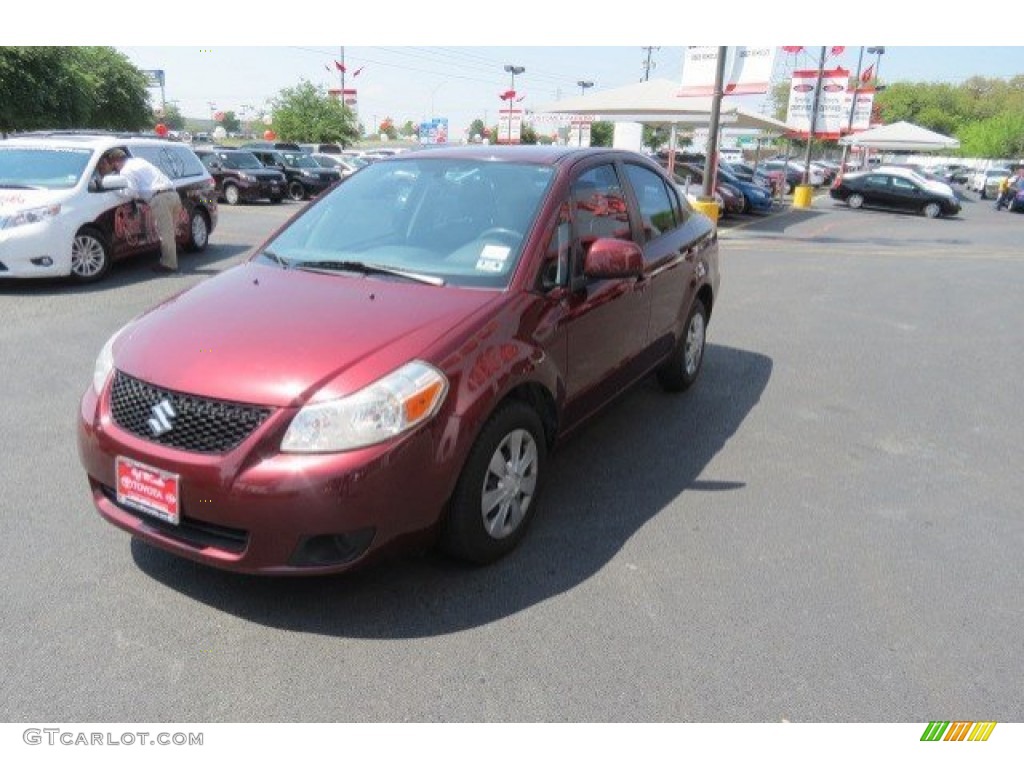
(833, 107)
(861, 112)
(748, 69)
(510, 125)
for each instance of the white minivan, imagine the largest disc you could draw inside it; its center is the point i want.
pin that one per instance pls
(56, 220)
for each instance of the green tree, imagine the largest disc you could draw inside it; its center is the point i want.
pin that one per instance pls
(409, 129)
(387, 127)
(173, 118)
(601, 133)
(476, 128)
(527, 135)
(118, 92)
(656, 136)
(231, 122)
(307, 113)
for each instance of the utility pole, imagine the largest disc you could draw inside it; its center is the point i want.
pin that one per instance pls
(814, 117)
(648, 64)
(853, 110)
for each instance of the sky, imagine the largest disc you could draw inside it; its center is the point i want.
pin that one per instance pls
(420, 61)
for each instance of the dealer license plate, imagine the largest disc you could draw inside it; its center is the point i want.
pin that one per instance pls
(148, 490)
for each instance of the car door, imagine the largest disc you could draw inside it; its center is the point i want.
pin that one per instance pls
(671, 247)
(906, 195)
(877, 190)
(606, 320)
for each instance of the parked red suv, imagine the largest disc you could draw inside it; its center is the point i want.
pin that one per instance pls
(394, 366)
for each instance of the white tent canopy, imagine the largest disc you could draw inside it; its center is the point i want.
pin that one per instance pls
(658, 101)
(901, 136)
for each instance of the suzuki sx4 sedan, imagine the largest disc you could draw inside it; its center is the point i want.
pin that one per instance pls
(392, 368)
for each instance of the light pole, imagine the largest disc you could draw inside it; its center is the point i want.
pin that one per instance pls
(584, 84)
(878, 50)
(853, 110)
(513, 70)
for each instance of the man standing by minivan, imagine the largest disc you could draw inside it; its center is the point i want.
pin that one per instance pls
(148, 183)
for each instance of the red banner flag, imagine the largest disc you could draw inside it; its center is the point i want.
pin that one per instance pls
(356, 73)
(869, 73)
(340, 66)
(837, 49)
(792, 48)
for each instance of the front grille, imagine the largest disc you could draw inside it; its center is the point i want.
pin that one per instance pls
(198, 425)
(197, 533)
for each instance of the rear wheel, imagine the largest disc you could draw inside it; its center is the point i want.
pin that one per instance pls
(681, 370)
(198, 231)
(496, 495)
(855, 201)
(231, 194)
(933, 210)
(90, 256)
(296, 191)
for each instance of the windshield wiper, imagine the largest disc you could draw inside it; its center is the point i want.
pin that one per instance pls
(19, 186)
(370, 269)
(279, 259)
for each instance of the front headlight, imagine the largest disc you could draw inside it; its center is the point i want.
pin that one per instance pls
(104, 363)
(387, 408)
(246, 177)
(307, 173)
(29, 216)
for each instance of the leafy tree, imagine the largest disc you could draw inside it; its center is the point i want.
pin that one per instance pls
(601, 133)
(231, 122)
(409, 129)
(387, 127)
(307, 113)
(173, 118)
(65, 87)
(527, 135)
(477, 128)
(656, 136)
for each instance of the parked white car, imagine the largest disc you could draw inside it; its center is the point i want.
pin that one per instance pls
(986, 183)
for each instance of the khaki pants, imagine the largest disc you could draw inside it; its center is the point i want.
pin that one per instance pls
(166, 206)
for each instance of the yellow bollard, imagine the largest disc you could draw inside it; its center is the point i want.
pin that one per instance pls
(803, 195)
(709, 208)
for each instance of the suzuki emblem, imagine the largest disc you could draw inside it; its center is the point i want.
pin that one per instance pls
(162, 412)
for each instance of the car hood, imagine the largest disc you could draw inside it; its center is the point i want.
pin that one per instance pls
(265, 335)
(14, 200)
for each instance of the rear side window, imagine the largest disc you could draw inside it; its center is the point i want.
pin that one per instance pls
(656, 209)
(175, 162)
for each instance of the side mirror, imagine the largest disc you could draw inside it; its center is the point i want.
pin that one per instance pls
(612, 259)
(113, 181)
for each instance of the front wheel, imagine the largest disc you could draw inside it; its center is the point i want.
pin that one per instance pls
(296, 191)
(933, 210)
(90, 256)
(855, 201)
(496, 494)
(681, 370)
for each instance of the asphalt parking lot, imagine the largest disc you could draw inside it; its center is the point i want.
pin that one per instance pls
(829, 527)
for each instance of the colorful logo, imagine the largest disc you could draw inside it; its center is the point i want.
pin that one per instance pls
(959, 731)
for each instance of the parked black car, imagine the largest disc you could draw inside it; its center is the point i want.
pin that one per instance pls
(306, 178)
(895, 189)
(241, 176)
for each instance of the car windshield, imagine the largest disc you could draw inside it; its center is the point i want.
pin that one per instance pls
(300, 160)
(42, 168)
(242, 161)
(463, 221)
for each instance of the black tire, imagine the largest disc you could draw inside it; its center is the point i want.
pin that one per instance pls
(982, 193)
(486, 518)
(90, 256)
(231, 194)
(855, 201)
(296, 191)
(932, 210)
(683, 368)
(198, 231)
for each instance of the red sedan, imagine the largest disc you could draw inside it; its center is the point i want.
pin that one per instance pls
(394, 366)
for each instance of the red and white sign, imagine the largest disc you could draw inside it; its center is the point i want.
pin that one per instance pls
(832, 118)
(148, 490)
(348, 96)
(748, 69)
(579, 133)
(510, 126)
(862, 111)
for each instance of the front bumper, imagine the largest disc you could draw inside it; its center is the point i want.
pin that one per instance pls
(256, 510)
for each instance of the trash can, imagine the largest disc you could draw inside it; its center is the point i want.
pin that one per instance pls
(803, 195)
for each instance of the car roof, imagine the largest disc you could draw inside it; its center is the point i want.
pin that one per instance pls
(526, 153)
(90, 141)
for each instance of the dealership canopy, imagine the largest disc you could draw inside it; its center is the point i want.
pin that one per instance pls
(658, 101)
(901, 136)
